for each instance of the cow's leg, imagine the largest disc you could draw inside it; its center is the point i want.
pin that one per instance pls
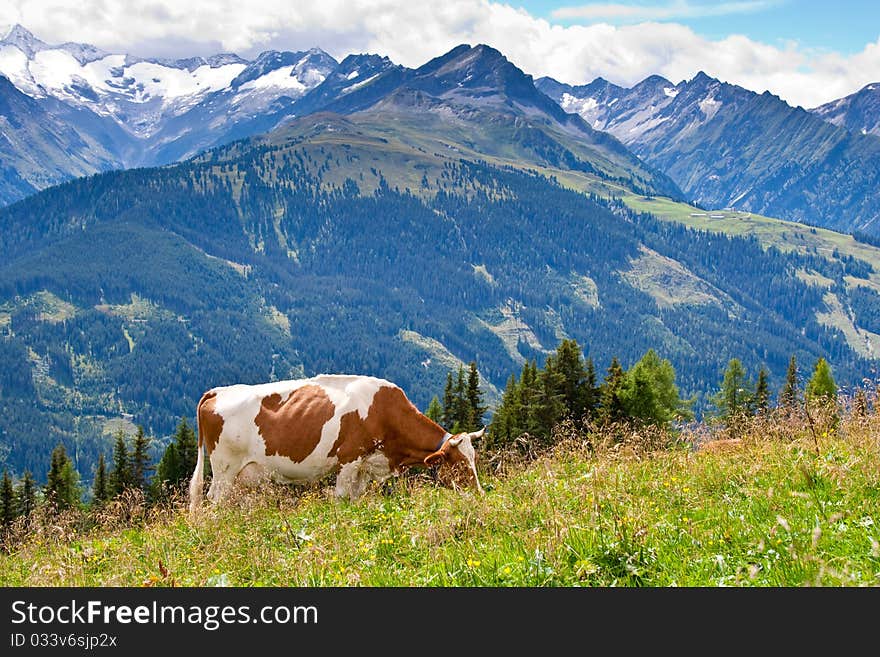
(220, 487)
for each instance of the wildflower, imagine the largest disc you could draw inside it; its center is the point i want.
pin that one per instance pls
(506, 570)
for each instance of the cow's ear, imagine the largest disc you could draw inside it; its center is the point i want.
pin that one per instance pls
(435, 458)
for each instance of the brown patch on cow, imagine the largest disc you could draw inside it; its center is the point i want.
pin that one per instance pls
(393, 426)
(210, 424)
(292, 428)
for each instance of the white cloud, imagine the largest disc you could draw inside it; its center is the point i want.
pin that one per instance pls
(411, 33)
(673, 10)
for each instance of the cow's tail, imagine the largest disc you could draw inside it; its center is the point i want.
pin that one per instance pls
(197, 483)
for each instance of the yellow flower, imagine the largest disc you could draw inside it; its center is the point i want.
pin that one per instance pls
(506, 570)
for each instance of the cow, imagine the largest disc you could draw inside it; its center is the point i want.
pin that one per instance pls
(299, 431)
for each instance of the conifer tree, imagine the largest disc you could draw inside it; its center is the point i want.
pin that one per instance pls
(461, 417)
(120, 475)
(504, 428)
(649, 393)
(591, 398)
(62, 480)
(548, 405)
(8, 507)
(821, 386)
(140, 460)
(101, 483)
(789, 395)
(167, 472)
(610, 405)
(448, 402)
(434, 410)
(27, 494)
(573, 382)
(761, 400)
(476, 408)
(528, 395)
(734, 398)
(187, 450)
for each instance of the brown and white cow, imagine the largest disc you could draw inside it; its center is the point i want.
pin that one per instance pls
(362, 427)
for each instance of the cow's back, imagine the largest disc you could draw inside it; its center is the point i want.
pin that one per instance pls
(290, 429)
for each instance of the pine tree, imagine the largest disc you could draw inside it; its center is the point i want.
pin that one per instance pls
(821, 386)
(8, 507)
(187, 450)
(574, 385)
(448, 402)
(167, 475)
(62, 481)
(461, 409)
(591, 397)
(548, 405)
(101, 483)
(649, 393)
(528, 398)
(761, 401)
(476, 408)
(27, 494)
(504, 428)
(734, 398)
(120, 475)
(610, 405)
(435, 410)
(789, 395)
(140, 460)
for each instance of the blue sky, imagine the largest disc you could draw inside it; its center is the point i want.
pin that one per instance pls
(807, 52)
(842, 26)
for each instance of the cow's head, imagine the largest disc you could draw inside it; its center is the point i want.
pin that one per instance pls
(457, 459)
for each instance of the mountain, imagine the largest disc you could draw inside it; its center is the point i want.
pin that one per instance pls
(726, 146)
(44, 143)
(162, 111)
(476, 102)
(858, 112)
(136, 112)
(331, 244)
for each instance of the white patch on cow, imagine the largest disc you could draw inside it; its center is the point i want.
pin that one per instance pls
(240, 441)
(354, 478)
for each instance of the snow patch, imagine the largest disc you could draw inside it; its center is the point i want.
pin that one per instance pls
(580, 106)
(360, 84)
(280, 78)
(352, 75)
(672, 92)
(709, 106)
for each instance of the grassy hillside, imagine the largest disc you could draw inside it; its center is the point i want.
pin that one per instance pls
(603, 510)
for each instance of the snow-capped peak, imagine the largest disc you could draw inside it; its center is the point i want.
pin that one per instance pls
(141, 95)
(24, 40)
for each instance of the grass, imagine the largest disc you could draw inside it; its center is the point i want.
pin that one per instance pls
(784, 235)
(765, 511)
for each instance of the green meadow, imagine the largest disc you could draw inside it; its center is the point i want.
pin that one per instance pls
(782, 505)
